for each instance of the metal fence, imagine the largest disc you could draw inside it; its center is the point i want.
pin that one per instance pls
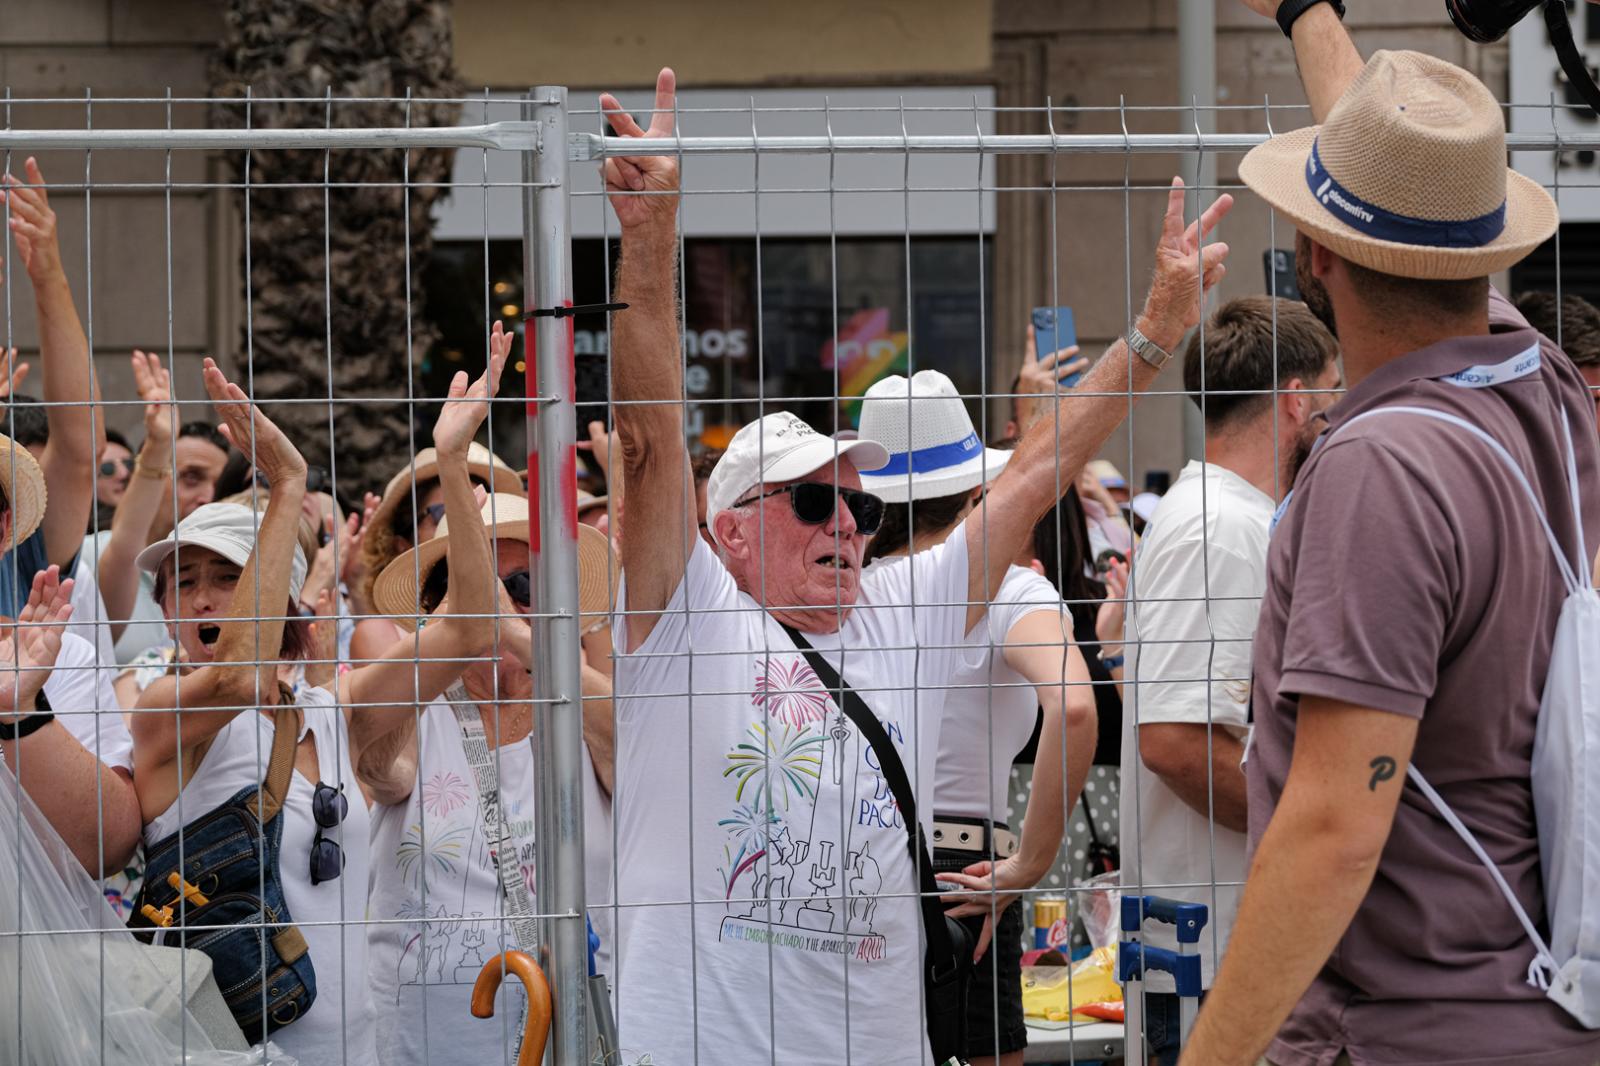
(559, 149)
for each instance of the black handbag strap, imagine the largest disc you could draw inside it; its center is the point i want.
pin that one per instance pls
(941, 952)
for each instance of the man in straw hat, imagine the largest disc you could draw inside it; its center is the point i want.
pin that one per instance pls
(740, 786)
(1410, 604)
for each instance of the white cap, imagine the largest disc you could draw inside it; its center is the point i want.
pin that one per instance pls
(228, 529)
(933, 449)
(1144, 505)
(779, 447)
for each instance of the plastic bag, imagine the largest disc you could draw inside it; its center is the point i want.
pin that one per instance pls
(84, 991)
(1053, 992)
(1100, 907)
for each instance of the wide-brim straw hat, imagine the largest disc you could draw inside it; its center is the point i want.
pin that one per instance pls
(481, 463)
(25, 490)
(396, 591)
(934, 450)
(1407, 176)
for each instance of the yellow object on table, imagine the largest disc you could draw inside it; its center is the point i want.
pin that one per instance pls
(1050, 992)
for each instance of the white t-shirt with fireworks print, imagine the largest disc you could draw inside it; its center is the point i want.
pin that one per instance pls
(741, 788)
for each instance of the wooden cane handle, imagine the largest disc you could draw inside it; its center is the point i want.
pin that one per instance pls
(539, 1006)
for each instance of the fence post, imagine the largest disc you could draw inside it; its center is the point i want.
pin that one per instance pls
(553, 562)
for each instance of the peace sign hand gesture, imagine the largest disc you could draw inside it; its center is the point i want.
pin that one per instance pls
(1186, 269)
(643, 188)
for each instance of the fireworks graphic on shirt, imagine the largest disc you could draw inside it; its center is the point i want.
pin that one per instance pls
(790, 691)
(750, 826)
(443, 793)
(774, 764)
(438, 858)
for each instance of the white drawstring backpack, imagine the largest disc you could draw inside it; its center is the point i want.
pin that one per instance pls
(1565, 769)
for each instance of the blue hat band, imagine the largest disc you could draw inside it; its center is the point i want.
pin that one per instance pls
(1374, 221)
(933, 458)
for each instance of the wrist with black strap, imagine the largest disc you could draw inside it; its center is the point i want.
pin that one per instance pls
(944, 971)
(41, 716)
(1290, 10)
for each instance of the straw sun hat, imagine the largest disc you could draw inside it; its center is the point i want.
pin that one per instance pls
(1407, 176)
(397, 588)
(481, 463)
(23, 483)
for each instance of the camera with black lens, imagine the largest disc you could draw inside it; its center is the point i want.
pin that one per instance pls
(1489, 20)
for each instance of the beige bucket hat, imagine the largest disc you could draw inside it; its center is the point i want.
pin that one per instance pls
(396, 590)
(24, 487)
(1408, 175)
(481, 463)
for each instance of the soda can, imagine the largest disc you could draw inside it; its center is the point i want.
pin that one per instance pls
(1050, 928)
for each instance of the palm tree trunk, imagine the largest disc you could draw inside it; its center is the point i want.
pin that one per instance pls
(335, 239)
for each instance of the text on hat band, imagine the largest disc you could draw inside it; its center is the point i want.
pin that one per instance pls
(1374, 221)
(935, 457)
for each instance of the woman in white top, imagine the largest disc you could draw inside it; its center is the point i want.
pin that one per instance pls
(439, 909)
(226, 597)
(1019, 660)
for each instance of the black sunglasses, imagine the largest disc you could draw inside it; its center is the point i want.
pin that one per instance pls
(434, 511)
(109, 467)
(519, 586)
(813, 503)
(328, 808)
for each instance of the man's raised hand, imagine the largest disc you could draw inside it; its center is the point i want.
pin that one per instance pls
(643, 188)
(1186, 268)
(33, 224)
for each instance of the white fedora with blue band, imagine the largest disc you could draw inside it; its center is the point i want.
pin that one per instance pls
(933, 448)
(1407, 176)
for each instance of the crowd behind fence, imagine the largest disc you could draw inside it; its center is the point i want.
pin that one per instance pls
(464, 781)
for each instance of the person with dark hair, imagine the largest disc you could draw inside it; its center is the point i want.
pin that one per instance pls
(1023, 668)
(1261, 372)
(111, 481)
(199, 452)
(230, 580)
(1574, 324)
(1412, 596)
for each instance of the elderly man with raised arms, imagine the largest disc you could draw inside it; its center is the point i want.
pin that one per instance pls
(767, 893)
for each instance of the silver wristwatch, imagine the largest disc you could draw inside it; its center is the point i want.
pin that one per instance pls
(1152, 353)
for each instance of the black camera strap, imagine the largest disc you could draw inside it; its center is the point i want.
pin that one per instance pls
(1573, 64)
(943, 970)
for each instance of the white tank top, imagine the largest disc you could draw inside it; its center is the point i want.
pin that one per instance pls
(990, 709)
(432, 871)
(338, 1030)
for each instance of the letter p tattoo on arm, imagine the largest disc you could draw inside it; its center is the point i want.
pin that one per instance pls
(1383, 768)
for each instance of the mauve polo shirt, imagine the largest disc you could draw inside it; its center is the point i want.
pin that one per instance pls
(1409, 574)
